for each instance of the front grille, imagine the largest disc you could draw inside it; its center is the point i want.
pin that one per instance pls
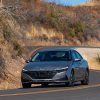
(42, 74)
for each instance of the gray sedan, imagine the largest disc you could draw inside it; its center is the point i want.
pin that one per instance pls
(55, 65)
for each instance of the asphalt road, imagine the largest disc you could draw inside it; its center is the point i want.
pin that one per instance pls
(57, 92)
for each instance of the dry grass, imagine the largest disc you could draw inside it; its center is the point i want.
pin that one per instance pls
(13, 67)
(89, 4)
(50, 22)
(98, 58)
(11, 63)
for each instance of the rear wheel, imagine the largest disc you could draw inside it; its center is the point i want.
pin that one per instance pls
(26, 85)
(86, 79)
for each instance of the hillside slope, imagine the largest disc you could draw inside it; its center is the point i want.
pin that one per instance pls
(47, 23)
(11, 58)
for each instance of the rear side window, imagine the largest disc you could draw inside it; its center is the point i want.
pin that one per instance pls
(76, 55)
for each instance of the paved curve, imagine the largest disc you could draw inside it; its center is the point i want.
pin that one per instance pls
(57, 92)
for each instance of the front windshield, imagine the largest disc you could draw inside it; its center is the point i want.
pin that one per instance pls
(51, 56)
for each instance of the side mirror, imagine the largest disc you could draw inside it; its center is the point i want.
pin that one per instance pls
(27, 61)
(77, 60)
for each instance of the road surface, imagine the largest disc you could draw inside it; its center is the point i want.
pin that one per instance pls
(57, 92)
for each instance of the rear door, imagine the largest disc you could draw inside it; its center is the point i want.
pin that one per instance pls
(76, 65)
(81, 65)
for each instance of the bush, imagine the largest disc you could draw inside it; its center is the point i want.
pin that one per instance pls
(77, 27)
(17, 47)
(7, 33)
(52, 14)
(72, 32)
(2, 66)
(61, 22)
(98, 58)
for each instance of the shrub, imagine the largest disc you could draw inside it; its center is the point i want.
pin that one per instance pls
(72, 32)
(77, 26)
(2, 65)
(7, 33)
(98, 58)
(17, 47)
(53, 14)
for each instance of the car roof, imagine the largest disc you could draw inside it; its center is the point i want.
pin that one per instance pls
(56, 49)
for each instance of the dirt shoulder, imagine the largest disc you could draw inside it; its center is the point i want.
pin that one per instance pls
(91, 54)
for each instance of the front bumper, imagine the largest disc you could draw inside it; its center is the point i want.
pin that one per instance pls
(57, 78)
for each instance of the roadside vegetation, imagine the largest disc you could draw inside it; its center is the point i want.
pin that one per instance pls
(98, 58)
(56, 24)
(11, 52)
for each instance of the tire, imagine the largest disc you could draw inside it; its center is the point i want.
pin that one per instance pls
(44, 84)
(86, 79)
(26, 85)
(71, 81)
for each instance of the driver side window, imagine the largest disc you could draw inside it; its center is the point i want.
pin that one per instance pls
(74, 55)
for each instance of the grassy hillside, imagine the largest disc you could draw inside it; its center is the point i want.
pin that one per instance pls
(42, 22)
(11, 52)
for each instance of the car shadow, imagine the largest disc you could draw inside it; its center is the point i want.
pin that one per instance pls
(54, 86)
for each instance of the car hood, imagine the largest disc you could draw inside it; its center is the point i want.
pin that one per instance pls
(37, 66)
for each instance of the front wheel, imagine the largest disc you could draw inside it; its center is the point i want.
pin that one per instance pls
(26, 85)
(86, 80)
(71, 81)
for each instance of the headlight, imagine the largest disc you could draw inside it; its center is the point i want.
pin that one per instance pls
(62, 69)
(24, 70)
